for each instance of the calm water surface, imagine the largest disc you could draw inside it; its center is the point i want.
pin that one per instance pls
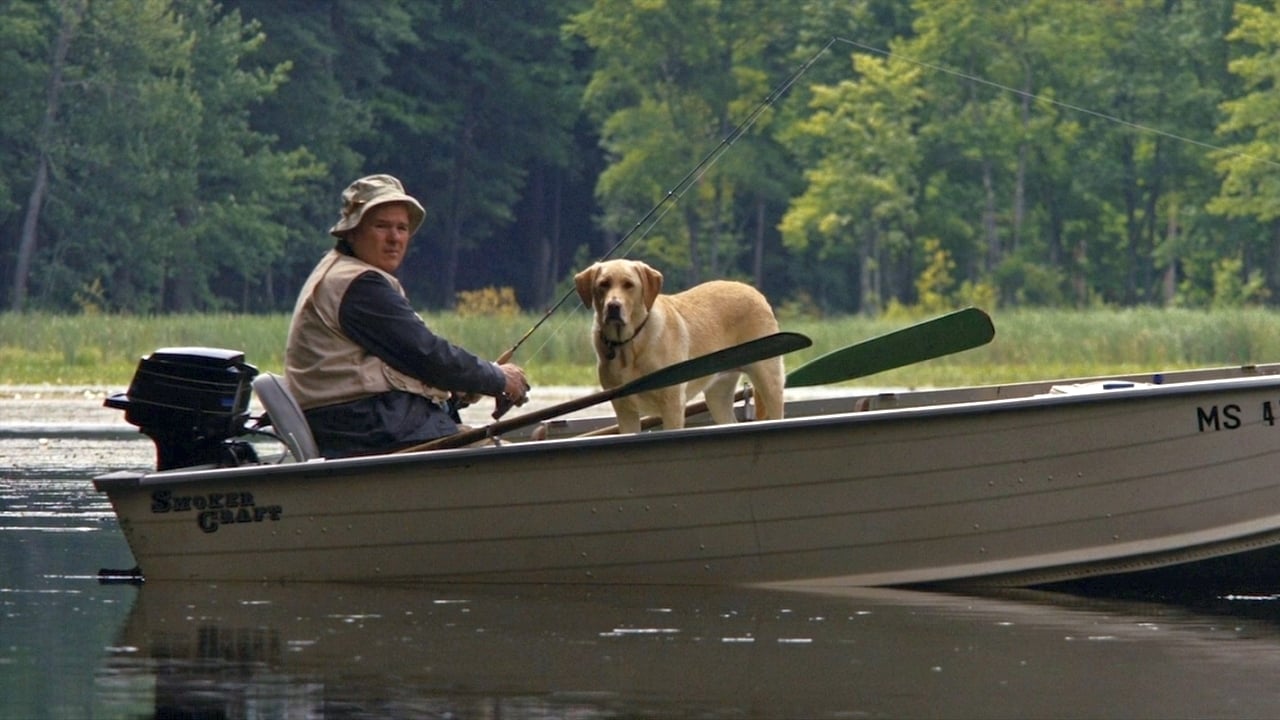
(73, 647)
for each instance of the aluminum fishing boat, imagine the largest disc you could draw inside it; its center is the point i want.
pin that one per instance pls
(1012, 484)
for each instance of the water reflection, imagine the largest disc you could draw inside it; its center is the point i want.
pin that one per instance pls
(55, 620)
(347, 651)
(71, 647)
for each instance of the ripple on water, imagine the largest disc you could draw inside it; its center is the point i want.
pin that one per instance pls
(72, 456)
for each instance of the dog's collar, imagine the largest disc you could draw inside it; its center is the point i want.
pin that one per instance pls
(613, 345)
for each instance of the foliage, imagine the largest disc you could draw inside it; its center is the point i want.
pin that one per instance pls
(487, 302)
(859, 207)
(672, 82)
(935, 281)
(1025, 283)
(1250, 185)
(181, 156)
(482, 93)
(1231, 289)
(1030, 344)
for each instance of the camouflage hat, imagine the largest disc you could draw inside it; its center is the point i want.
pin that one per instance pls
(368, 192)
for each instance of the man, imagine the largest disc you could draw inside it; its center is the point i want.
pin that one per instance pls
(367, 371)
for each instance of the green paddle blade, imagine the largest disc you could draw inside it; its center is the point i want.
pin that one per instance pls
(709, 364)
(951, 333)
(716, 362)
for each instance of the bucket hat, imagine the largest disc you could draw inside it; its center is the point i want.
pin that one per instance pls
(371, 191)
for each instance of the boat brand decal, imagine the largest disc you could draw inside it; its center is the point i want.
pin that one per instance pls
(213, 510)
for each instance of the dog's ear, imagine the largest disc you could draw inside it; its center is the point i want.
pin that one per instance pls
(585, 282)
(651, 281)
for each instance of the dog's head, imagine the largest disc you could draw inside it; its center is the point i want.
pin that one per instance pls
(617, 289)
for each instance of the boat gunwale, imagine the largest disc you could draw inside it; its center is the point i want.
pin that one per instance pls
(120, 480)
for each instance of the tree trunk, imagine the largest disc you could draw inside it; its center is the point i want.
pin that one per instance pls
(1150, 228)
(869, 274)
(72, 12)
(540, 223)
(1131, 227)
(757, 249)
(448, 292)
(1079, 279)
(695, 249)
(534, 232)
(457, 210)
(1020, 179)
(1169, 284)
(989, 229)
(27, 240)
(715, 233)
(553, 241)
(1272, 271)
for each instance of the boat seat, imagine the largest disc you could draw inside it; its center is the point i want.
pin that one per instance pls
(286, 416)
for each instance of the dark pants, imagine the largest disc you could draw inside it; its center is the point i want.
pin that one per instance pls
(379, 423)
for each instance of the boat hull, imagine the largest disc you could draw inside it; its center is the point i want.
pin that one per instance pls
(1012, 491)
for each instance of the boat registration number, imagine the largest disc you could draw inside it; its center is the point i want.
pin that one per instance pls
(1231, 416)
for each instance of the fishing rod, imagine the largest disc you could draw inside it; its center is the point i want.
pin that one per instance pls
(658, 211)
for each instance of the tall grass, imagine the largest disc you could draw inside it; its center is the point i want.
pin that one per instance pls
(102, 350)
(1035, 344)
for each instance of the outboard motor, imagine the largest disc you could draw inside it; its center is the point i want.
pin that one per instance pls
(192, 402)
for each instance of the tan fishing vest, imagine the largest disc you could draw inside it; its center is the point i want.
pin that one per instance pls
(322, 365)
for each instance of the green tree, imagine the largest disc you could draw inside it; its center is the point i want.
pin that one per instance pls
(1250, 189)
(185, 154)
(159, 195)
(22, 29)
(671, 81)
(999, 163)
(27, 28)
(473, 105)
(338, 54)
(1042, 155)
(863, 159)
(241, 213)
(103, 86)
(1161, 80)
(485, 92)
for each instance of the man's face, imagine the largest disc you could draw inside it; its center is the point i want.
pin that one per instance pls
(382, 237)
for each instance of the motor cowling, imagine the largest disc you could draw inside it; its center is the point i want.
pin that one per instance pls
(192, 402)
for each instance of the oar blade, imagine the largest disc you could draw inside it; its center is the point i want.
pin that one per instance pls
(709, 364)
(950, 333)
(719, 361)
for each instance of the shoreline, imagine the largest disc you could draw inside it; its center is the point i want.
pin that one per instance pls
(26, 410)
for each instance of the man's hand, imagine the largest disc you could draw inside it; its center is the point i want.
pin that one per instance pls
(516, 392)
(517, 388)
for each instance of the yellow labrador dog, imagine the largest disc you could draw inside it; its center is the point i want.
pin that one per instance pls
(638, 330)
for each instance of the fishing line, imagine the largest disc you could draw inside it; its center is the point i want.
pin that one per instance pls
(664, 206)
(1050, 101)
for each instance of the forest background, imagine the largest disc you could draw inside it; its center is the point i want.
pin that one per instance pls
(846, 156)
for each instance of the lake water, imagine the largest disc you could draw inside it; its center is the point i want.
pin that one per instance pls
(72, 646)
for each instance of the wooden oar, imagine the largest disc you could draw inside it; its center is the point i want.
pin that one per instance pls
(950, 333)
(709, 364)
